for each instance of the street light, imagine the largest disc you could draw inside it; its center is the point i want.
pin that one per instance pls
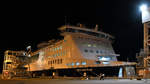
(145, 13)
(143, 7)
(145, 10)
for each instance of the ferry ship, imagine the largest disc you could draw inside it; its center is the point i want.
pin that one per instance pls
(82, 50)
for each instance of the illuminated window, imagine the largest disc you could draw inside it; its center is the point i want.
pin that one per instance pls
(72, 64)
(104, 58)
(83, 63)
(77, 63)
(105, 62)
(89, 45)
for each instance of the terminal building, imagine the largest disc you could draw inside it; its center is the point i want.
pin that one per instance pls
(82, 50)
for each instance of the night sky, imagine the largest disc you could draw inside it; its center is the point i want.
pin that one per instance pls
(29, 23)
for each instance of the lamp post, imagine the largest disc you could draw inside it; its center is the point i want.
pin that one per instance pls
(145, 10)
(146, 21)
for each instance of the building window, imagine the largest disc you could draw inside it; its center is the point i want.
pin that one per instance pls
(83, 63)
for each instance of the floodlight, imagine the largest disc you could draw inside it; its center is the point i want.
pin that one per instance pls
(143, 7)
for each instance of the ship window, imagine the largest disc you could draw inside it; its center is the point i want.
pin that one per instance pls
(64, 53)
(60, 47)
(101, 51)
(104, 58)
(105, 62)
(53, 62)
(97, 62)
(60, 53)
(8, 62)
(83, 63)
(9, 53)
(97, 51)
(60, 61)
(70, 30)
(85, 50)
(91, 51)
(94, 45)
(72, 64)
(14, 53)
(54, 55)
(68, 64)
(77, 63)
(89, 45)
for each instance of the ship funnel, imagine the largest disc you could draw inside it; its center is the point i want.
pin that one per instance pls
(96, 27)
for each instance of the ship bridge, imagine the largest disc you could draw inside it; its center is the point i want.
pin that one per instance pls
(67, 29)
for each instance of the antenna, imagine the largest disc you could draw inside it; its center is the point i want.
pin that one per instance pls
(65, 20)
